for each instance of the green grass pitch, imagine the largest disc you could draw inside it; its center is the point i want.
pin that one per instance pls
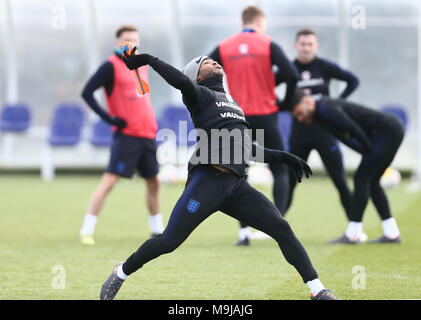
(40, 225)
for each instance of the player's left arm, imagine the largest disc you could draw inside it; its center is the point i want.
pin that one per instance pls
(334, 71)
(286, 73)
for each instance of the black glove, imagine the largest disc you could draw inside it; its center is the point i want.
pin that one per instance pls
(134, 61)
(120, 123)
(297, 164)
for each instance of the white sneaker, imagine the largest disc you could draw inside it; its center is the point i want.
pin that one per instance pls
(259, 235)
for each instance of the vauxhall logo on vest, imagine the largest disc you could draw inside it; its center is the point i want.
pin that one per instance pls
(229, 104)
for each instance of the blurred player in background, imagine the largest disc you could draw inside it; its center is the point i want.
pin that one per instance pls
(134, 125)
(247, 59)
(316, 74)
(377, 137)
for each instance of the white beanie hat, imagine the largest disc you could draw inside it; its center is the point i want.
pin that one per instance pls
(191, 70)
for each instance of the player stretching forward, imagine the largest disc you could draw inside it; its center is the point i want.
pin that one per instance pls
(316, 74)
(377, 137)
(134, 125)
(213, 184)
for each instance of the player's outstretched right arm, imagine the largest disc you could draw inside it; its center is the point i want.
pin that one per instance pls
(172, 75)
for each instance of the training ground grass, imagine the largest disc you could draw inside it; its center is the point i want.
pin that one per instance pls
(41, 257)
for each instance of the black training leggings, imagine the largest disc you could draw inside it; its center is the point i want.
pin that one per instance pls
(280, 172)
(305, 138)
(209, 190)
(371, 168)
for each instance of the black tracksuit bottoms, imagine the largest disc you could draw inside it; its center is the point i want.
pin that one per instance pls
(385, 145)
(209, 190)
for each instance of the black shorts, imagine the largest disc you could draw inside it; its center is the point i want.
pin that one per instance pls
(132, 153)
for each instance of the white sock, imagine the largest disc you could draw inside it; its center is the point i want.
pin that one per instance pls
(354, 230)
(120, 273)
(244, 233)
(89, 223)
(390, 228)
(155, 223)
(315, 286)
